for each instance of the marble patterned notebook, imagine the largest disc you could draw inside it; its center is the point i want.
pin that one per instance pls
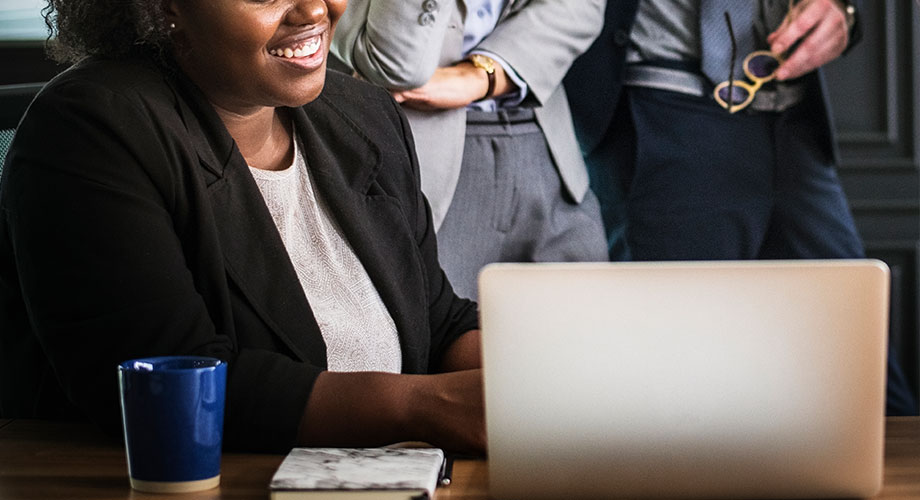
(371, 473)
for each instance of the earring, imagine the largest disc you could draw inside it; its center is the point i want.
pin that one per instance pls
(172, 26)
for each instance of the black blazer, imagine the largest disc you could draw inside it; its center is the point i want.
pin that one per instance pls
(130, 226)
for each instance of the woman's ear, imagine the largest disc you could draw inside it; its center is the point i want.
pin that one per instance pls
(172, 14)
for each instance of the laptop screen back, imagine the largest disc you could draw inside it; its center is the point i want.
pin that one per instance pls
(706, 379)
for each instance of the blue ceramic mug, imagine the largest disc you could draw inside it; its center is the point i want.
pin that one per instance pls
(173, 416)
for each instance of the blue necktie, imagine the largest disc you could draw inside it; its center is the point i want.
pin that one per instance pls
(716, 42)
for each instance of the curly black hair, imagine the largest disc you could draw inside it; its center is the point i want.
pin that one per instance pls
(107, 28)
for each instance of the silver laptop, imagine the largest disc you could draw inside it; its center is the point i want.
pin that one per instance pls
(706, 380)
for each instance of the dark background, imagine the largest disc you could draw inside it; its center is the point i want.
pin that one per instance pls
(875, 95)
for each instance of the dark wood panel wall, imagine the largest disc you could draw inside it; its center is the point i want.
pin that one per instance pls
(875, 95)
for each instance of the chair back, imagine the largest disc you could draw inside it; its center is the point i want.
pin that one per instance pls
(14, 100)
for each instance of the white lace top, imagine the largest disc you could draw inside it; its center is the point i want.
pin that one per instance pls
(358, 330)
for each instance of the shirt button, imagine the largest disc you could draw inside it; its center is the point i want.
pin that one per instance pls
(620, 38)
(426, 19)
(430, 5)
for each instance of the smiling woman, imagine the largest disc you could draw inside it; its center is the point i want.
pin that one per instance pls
(212, 190)
(248, 77)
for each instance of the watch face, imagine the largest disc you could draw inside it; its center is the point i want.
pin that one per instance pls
(483, 62)
(488, 65)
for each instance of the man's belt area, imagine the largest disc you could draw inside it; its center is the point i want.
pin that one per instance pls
(777, 98)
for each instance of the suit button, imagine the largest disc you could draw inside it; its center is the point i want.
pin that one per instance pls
(621, 38)
(430, 5)
(426, 19)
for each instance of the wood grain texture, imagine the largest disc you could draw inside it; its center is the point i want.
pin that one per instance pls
(40, 459)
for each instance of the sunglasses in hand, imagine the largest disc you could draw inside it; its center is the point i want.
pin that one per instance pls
(759, 67)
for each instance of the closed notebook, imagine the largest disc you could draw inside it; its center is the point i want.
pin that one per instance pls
(361, 473)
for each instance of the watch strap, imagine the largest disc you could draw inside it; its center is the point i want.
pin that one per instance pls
(487, 64)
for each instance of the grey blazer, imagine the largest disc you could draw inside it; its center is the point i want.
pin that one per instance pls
(399, 44)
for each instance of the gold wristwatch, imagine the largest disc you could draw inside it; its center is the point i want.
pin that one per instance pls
(488, 65)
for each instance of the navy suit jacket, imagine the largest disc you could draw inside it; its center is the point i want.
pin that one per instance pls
(594, 81)
(593, 86)
(130, 226)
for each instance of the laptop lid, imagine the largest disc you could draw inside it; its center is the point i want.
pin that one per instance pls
(695, 379)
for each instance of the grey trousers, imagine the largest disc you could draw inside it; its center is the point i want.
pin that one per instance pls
(510, 204)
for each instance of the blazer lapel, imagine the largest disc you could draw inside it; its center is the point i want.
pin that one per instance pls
(345, 164)
(254, 255)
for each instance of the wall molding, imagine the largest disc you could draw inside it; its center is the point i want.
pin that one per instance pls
(880, 156)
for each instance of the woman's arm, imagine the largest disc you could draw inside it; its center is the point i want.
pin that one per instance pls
(542, 39)
(372, 409)
(464, 354)
(394, 43)
(455, 86)
(562, 30)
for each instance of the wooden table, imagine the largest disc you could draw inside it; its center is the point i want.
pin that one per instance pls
(40, 460)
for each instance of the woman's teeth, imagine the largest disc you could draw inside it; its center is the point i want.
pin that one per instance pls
(305, 50)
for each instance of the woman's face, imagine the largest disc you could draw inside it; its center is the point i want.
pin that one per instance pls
(251, 54)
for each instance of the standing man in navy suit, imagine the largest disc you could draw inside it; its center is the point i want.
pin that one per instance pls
(687, 167)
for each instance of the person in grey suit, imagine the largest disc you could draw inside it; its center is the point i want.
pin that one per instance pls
(480, 82)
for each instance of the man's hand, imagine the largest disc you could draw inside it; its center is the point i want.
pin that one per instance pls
(819, 27)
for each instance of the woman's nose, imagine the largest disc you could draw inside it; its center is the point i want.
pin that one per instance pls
(306, 12)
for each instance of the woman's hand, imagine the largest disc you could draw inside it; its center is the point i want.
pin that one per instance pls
(449, 87)
(376, 409)
(451, 414)
(453, 87)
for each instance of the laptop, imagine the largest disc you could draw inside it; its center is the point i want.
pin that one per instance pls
(685, 380)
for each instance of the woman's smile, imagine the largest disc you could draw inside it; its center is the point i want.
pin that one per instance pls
(306, 53)
(278, 54)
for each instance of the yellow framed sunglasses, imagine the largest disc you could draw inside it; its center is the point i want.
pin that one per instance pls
(759, 67)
